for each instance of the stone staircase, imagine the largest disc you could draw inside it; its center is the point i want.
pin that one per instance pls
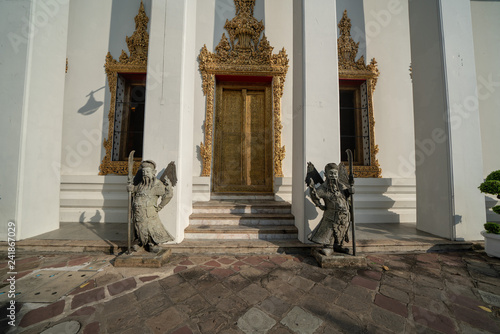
(235, 218)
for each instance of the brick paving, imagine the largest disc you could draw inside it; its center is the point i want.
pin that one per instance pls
(395, 293)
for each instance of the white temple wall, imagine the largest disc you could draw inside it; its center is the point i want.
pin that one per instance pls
(485, 27)
(388, 41)
(38, 37)
(13, 46)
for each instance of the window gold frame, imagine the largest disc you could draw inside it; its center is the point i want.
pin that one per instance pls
(135, 63)
(350, 68)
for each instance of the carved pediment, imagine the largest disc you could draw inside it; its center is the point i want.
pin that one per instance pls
(348, 51)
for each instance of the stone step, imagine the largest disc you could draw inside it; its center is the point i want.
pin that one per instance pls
(242, 196)
(242, 232)
(241, 206)
(371, 216)
(248, 219)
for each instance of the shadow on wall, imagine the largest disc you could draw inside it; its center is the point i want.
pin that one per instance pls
(92, 105)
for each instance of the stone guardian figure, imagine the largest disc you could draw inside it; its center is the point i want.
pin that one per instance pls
(332, 230)
(146, 191)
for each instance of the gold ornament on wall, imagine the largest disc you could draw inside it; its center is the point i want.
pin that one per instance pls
(137, 45)
(350, 68)
(245, 53)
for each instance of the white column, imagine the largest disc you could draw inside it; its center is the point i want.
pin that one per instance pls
(447, 132)
(34, 49)
(168, 124)
(316, 102)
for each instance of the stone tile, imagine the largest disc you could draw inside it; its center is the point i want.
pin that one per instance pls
(491, 288)
(282, 274)
(427, 281)
(87, 297)
(92, 328)
(353, 304)
(397, 294)
(280, 259)
(179, 269)
(433, 320)
(490, 298)
(312, 275)
(310, 303)
(212, 322)
(215, 293)
(280, 329)
(475, 319)
(79, 261)
(434, 305)
(429, 292)
(301, 322)
(232, 305)
(398, 283)
(119, 304)
(183, 330)
(376, 259)
(334, 283)
(301, 283)
(391, 304)
(42, 313)
(181, 292)
(274, 306)
(360, 292)
(283, 290)
(205, 282)
(171, 281)
(166, 321)
(324, 293)
(121, 321)
(121, 286)
(253, 294)
(371, 274)
(365, 282)
(222, 273)
(193, 274)
(87, 310)
(341, 321)
(212, 263)
(89, 285)
(153, 305)
(253, 260)
(226, 260)
(148, 290)
(388, 319)
(251, 273)
(186, 263)
(472, 303)
(193, 305)
(255, 321)
(106, 278)
(236, 282)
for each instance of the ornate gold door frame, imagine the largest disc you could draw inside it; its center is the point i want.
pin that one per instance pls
(245, 54)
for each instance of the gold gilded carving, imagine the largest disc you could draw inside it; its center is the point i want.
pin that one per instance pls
(350, 68)
(135, 63)
(244, 53)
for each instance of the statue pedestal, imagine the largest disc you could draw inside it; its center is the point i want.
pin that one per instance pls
(338, 260)
(143, 259)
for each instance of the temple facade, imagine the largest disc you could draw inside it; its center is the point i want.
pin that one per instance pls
(241, 95)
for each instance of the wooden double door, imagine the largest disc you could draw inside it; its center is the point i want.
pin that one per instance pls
(243, 152)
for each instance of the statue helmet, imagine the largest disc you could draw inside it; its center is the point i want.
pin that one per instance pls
(148, 164)
(330, 166)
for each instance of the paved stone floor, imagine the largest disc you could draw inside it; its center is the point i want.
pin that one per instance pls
(410, 293)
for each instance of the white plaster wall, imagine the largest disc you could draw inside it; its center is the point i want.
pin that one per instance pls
(434, 193)
(170, 102)
(41, 101)
(87, 95)
(318, 141)
(465, 134)
(13, 51)
(388, 41)
(485, 27)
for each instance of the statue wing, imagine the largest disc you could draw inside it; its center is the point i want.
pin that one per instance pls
(313, 174)
(344, 176)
